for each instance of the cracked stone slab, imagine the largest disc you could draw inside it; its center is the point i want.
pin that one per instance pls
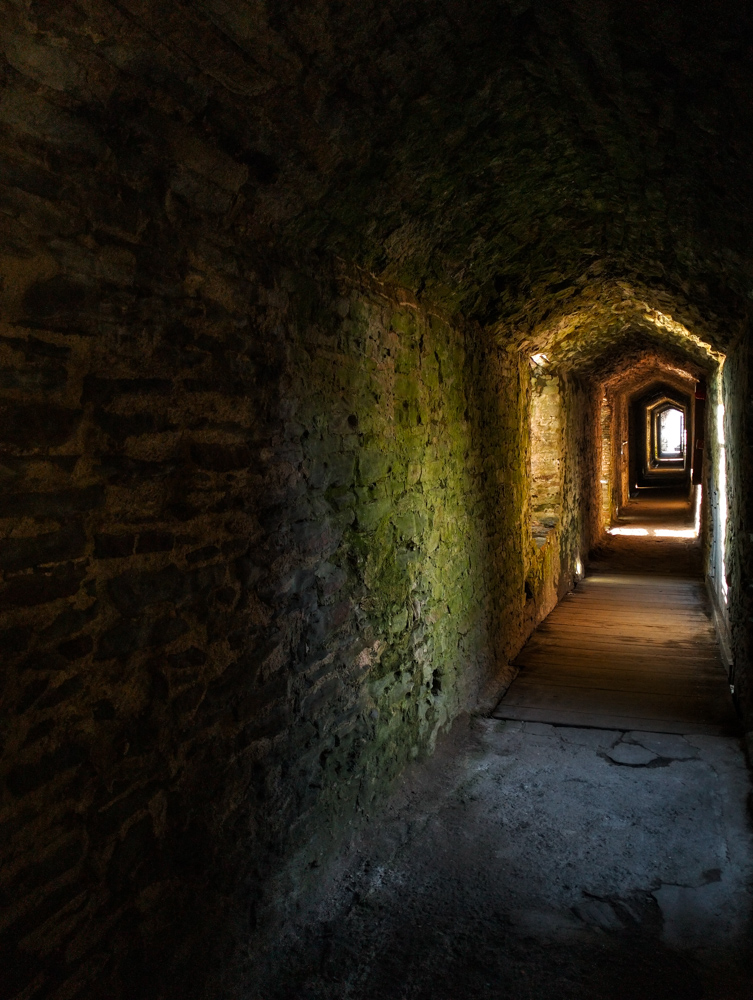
(700, 915)
(631, 754)
(596, 738)
(552, 849)
(664, 744)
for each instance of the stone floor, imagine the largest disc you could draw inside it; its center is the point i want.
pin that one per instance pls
(526, 860)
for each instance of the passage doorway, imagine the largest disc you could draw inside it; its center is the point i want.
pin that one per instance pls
(660, 449)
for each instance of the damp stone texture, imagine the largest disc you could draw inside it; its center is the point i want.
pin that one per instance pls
(270, 279)
(252, 566)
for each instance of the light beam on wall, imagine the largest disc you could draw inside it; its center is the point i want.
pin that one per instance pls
(698, 501)
(721, 482)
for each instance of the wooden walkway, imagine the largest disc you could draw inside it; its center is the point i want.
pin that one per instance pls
(627, 650)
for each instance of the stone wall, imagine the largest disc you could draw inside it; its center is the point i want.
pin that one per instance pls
(411, 469)
(733, 614)
(612, 474)
(141, 406)
(564, 502)
(546, 453)
(264, 532)
(263, 538)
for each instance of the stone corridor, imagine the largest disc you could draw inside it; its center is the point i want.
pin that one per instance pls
(336, 336)
(634, 646)
(529, 860)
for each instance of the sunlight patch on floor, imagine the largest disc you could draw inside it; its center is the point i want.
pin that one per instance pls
(656, 532)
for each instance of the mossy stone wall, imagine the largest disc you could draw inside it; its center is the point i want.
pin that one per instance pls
(415, 489)
(256, 557)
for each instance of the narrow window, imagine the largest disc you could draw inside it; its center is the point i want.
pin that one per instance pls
(671, 436)
(666, 438)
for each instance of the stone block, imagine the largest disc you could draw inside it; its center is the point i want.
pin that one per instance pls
(28, 777)
(42, 870)
(330, 579)
(131, 862)
(129, 635)
(120, 426)
(341, 469)
(30, 693)
(154, 541)
(53, 547)
(369, 515)
(103, 391)
(113, 546)
(410, 525)
(31, 115)
(29, 919)
(76, 649)
(55, 505)
(120, 470)
(44, 660)
(373, 465)
(30, 590)
(203, 554)
(68, 622)
(103, 710)
(201, 193)
(40, 379)
(54, 299)
(265, 726)
(211, 162)
(57, 695)
(316, 536)
(316, 704)
(221, 458)
(112, 814)
(41, 426)
(133, 591)
(187, 659)
(32, 178)
(15, 640)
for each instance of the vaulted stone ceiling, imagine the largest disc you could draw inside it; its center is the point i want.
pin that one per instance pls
(499, 159)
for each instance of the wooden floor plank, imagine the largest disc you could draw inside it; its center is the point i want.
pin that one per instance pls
(626, 650)
(619, 645)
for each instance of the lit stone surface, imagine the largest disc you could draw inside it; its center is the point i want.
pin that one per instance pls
(631, 754)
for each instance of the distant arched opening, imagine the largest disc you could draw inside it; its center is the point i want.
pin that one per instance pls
(669, 434)
(660, 420)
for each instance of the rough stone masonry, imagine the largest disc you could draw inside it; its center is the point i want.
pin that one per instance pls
(270, 277)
